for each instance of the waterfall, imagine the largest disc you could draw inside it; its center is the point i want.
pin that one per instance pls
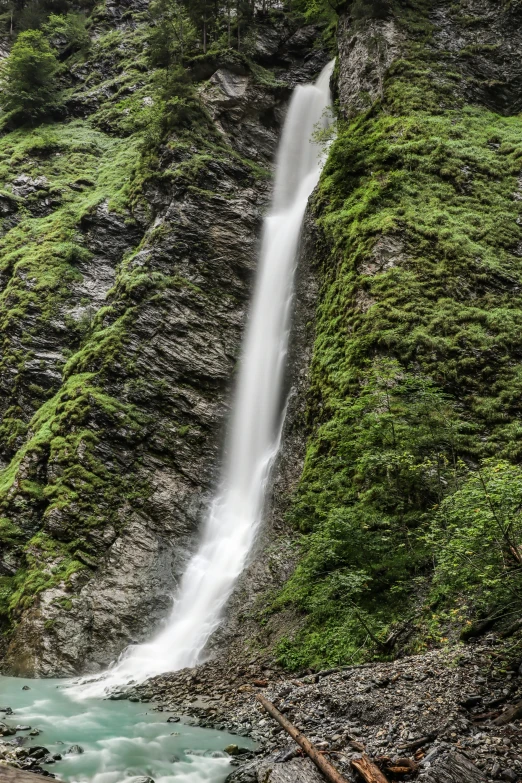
(256, 420)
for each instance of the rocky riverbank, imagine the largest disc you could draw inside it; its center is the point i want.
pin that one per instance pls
(445, 716)
(454, 714)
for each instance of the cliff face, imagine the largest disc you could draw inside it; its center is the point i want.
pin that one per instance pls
(414, 395)
(126, 272)
(125, 281)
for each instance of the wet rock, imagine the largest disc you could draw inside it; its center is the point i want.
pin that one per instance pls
(7, 731)
(173, 719)
(37, 752)
(141, 780)
(117, 696)
(75, 750)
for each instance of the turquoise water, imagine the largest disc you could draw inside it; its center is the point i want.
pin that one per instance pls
(121, 739)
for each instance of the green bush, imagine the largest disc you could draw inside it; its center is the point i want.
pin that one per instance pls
(476, 537)
(68, 33)
(29, 77)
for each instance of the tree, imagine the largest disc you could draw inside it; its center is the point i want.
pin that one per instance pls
(477, 536)
(172, 35)
(29, 86)
(202, 12)
(244, 17)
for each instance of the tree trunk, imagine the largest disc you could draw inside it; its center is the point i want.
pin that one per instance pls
(368, 771)
(319, 760)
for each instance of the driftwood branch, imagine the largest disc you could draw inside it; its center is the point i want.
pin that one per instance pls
(510, 714)
(328, 770)
(369, 771)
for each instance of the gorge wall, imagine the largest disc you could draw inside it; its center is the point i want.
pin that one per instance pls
(407, 417)
(124, 290)
(125, 279)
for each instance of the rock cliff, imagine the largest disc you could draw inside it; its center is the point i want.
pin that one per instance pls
(124, 293)
(128, 254)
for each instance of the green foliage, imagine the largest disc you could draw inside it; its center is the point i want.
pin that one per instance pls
(476, 537)
(29, 77)
(68, 32)
(371, 476)
(173, 33)
(421, 278)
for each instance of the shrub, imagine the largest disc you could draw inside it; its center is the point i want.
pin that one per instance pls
(67, 33)
(477, 536)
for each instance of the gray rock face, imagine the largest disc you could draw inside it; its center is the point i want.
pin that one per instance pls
(176, 274)
(484, 40)
(453, 768)
(364, 57)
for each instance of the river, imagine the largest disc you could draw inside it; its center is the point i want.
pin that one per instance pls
(121, 740)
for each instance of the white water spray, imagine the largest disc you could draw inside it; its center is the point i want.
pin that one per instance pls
(255, 426)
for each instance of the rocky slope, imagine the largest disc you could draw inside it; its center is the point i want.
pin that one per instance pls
(121, 335)
(125, 280)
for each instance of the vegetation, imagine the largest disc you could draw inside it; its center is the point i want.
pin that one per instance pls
(409, 496)
(73, 420)
(409, 503)
(29, 77)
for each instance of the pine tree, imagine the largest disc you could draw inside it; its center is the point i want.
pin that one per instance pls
(202, 13)
(29, 86)
(172, 35)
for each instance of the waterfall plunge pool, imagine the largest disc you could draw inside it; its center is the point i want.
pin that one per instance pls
(121, 740)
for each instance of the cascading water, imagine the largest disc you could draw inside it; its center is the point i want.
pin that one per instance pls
(255, 426)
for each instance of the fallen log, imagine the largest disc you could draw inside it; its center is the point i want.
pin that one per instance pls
(510, 714)
(397, 766)
(369, 771)
(418, 743)
(328, 770)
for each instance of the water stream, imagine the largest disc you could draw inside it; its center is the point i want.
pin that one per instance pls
(120, 740)
(254, 431)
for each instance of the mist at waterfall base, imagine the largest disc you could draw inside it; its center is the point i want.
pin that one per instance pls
(254, 431)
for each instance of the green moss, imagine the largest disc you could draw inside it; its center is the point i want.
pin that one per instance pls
(40, 255)
(420, 293)
(47, 564)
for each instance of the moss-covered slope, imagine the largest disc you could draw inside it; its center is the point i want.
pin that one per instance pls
(409, 494)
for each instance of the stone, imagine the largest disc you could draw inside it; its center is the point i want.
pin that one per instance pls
(75, 750)
(7, 731)
(173, 719)
(37, 752)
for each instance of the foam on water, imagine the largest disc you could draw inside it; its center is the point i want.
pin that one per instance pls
(121, 740)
